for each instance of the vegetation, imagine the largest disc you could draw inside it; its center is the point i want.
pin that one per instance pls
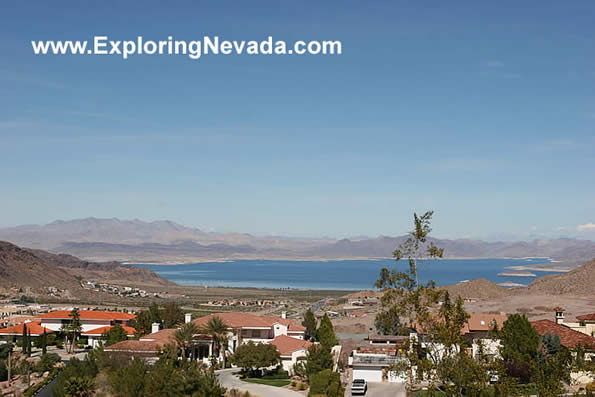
(72, 330)
(184, 337)
(326, 333)
(311, 325)
(388, 322)
(527, 362)
(219, 333)
(125, 377)
(114, 335)
(253, 356)
(169, 316)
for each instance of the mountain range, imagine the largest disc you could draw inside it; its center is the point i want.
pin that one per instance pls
(113, 239)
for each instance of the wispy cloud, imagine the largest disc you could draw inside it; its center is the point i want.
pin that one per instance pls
(493, 63)
(586, 227)
(497, 69)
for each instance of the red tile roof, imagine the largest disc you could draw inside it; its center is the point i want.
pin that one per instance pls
(152, 343)
(287, 345)
(568, 337)
(101, 330)
(586, 317)
(87, 315)
(484, 322)
(33, 327)
(247, 320)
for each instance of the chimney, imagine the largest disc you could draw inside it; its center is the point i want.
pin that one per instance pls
(187, 317)
(559, 315)
(155, 327)
(283, 314)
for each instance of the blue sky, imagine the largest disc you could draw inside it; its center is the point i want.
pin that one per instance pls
(483, 112)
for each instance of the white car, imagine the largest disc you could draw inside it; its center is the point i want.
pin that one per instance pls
(359, 386)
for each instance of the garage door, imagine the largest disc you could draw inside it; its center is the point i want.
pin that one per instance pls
(370, 375)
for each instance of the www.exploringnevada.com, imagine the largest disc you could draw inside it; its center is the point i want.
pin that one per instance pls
(193, 49)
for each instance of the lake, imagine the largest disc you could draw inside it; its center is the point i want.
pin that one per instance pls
(335, 274)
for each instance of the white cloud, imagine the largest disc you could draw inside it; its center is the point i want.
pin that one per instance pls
(586, 227)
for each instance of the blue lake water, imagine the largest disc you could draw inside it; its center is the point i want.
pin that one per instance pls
(337, 274)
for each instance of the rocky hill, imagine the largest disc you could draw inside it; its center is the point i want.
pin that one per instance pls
(36, 270)
(478, 288)
(22, 269)
(579, 281)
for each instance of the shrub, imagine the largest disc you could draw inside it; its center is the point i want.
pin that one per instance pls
(47, 362)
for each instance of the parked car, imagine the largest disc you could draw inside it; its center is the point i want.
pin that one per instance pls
(359, 386)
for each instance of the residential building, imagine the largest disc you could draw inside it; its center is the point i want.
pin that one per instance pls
(292, 350)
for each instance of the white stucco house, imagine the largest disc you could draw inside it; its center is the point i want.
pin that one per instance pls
(93, 322)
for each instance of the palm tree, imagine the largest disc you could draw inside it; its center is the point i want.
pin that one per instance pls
(219, 333)
(79, 386)
(184, 336)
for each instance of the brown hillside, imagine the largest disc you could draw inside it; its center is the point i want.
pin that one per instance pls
(21, 269)
(478, 288)
(580, 281)
(35, 270)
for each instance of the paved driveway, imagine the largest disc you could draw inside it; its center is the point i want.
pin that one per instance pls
(231, 381)
(382, 389)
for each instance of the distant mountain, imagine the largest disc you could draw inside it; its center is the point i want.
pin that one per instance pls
(165, 241)
(35, 270)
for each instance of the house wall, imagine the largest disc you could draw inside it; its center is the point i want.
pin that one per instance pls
(87, 325)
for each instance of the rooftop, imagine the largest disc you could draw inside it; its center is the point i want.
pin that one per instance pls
(102, 330)
(568, 337)
(247, 320)
(33, 327)
(586, 317)
(287, 345)
(87, 315)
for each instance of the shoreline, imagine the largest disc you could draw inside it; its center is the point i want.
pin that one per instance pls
(173, 262)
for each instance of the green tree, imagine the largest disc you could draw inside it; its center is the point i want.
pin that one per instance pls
(551, 369)
(143, 323)
(326, 333)
(44, 342)
(185, 336)
(72, 330)
(318, 358)
(115, 334)
(29, 344)
(219, 333)
(172, 315)
(253, 356)
(3, 371)
(79, 386)
(311, 324)
(388, 322)
(519, 343)
(442, 360)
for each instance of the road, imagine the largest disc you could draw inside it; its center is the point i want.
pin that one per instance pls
(231, 381)
(382, 390)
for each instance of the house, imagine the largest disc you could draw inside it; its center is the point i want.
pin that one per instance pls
(585, 324)
(243, 327)
(33, 328)
(477, 331)
(372, 363)
(93, 322)
(95, 336)
(148, 347)
(292, 350)
(571, 339)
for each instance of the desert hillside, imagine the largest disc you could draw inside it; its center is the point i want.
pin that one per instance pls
(580, 281)
(34, 271)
